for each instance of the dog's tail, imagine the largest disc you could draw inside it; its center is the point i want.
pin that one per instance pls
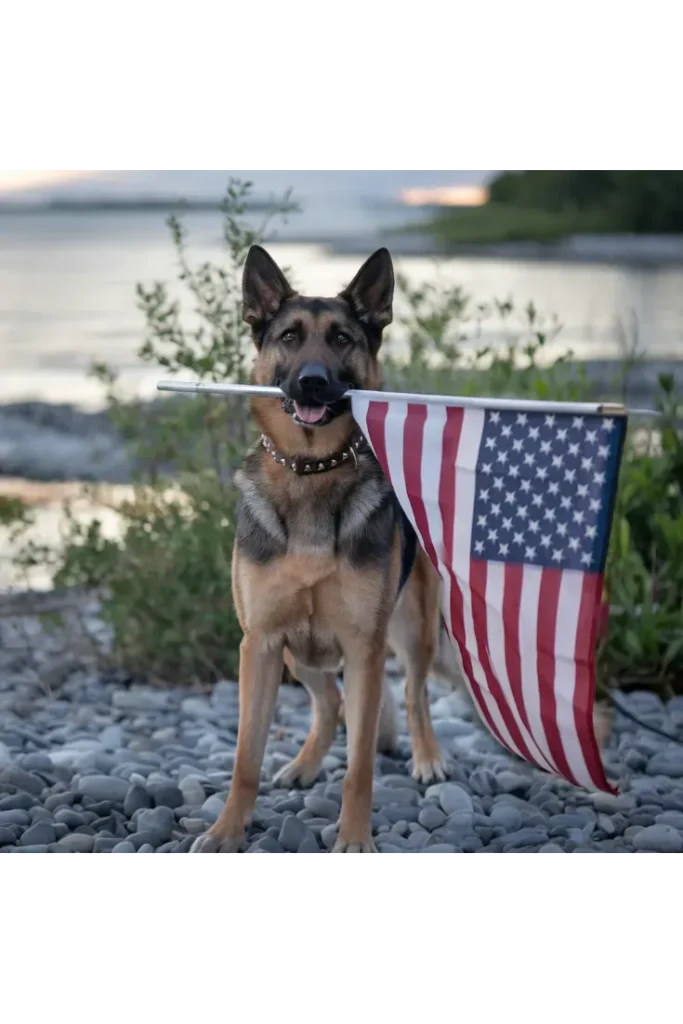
(446, 665)
(387, 735)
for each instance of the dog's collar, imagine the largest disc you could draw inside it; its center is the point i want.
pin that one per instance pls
(304, 465)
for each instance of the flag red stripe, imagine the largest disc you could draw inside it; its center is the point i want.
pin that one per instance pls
(457, 616)
(447, 508)
(478, 573)
(376, 420)
(548, 600)
(413, 437)
(451, 442)
(584, 693)
(512, 596)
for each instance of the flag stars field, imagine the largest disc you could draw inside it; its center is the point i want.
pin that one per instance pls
(533, 451)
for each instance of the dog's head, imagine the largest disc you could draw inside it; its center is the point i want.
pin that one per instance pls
(316, 349)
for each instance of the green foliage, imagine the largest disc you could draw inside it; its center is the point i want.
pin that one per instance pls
(166, 578)
(645, 572)
(13, 512)
(496, 223)
(545, 206)
(552, 190)
(448, 351)
(192, 432)
(632, 201)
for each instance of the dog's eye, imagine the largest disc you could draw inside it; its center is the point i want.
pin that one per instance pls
(288, 337)
(341, 338)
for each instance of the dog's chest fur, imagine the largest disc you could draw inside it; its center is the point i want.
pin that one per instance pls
(299, 535)
(347, 513)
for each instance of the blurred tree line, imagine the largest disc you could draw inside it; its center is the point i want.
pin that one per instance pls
(629, 201)
(546, 206)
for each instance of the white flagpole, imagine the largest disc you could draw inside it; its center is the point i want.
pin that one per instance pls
(516, 404)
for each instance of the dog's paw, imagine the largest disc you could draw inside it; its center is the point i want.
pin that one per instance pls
(429, 771)
(297, 773)
(342, 846)
(209, 843)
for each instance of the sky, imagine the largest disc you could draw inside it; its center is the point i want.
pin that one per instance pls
(333, 203)
(19, 181)
(210, 182)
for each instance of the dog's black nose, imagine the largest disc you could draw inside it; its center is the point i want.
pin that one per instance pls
(313, 377)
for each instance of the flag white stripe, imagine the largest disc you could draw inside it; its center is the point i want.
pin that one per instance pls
(431, 470)
(495, 631)
(465, 484)
(393, 443)
(528, 641)
(430, 477)
(571, 590)
(360, 408)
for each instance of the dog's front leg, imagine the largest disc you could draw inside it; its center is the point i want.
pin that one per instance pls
(260, 675)
(363, 673)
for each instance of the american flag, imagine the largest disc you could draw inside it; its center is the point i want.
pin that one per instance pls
(514, 509)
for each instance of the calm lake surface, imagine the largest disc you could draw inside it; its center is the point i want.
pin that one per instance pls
(67, 295)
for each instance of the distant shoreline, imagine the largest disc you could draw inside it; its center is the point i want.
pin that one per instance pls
(167, 204)
(633, 251)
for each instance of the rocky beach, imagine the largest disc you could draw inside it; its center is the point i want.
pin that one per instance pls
(94, 761)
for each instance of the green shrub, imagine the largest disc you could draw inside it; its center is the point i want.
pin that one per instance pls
(13, 512)
(165, 580)
(443, 329)
(645, 572)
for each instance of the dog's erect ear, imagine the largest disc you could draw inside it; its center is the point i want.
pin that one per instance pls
(371, 293)
(264, 288)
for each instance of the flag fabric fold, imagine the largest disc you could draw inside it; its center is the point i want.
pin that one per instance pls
(514, 509)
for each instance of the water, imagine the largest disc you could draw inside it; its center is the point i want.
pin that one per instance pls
(67, 296)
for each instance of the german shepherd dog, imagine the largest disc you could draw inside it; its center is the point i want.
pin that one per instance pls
(326, 569)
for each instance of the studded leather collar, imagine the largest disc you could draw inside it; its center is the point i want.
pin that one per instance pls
(303, 465)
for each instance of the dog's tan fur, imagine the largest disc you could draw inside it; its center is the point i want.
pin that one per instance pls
(317, 604)
(308, 606)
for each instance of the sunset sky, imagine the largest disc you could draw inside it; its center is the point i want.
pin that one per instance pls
(16, 181)
(207, 181)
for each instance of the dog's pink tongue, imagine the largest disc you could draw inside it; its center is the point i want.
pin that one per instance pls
(309, 413)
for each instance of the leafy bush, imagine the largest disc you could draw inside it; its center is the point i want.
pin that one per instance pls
(645, 578)
(13, 511)
(444, 331)
(166, 579)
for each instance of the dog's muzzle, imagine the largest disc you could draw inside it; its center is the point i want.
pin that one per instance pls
(313, 394)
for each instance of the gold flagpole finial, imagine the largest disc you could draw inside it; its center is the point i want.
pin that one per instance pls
(609, 409)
